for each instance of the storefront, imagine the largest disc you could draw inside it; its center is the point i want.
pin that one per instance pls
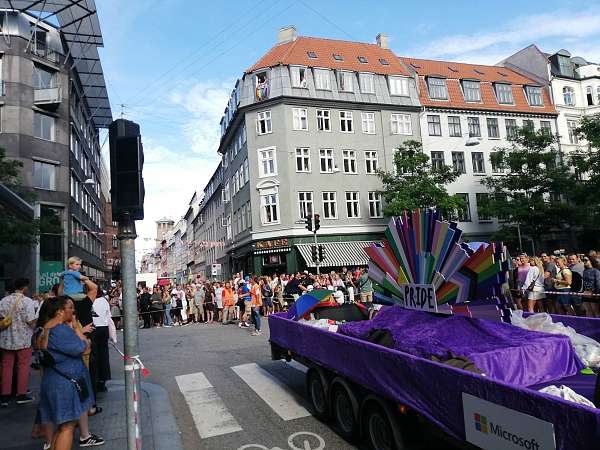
(271, 256)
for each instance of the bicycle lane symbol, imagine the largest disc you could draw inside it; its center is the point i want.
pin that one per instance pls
(302, 440)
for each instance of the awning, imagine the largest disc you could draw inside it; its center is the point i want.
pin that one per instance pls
(338, 254)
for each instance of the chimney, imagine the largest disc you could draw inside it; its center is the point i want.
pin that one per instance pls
(287, 34)
(382, 40)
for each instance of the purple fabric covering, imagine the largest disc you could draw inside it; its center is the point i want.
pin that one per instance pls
(432, 389)
(501, 351)
(582, 384)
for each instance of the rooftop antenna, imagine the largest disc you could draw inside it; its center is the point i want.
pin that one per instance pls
(123, 106)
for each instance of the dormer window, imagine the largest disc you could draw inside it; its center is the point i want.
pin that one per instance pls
(262, 86)
(504, 93)
(312, 55)
(565, 66)
(437, 88)
(345, 81)
(338, 57)
(534, 95)
(384, 62)
(298, 75)
(398, 85)
(471, 90)
(367, 83)
(362, 60)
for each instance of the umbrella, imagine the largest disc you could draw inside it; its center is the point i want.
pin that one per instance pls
(308, 301)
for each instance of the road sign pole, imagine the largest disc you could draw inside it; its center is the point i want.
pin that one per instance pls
(317, 262)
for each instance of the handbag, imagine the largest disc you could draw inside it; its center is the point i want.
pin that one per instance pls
(79, 384)
(6, 322)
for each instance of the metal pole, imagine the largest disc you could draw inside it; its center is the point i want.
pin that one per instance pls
(519, 233)
(316, 245)
(127, 235)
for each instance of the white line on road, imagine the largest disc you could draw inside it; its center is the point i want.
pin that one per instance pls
(272, 391)
(211, 416)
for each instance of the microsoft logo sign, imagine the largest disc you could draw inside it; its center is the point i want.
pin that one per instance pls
(481, 423)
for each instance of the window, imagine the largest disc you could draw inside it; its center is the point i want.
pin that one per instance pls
(346, 125)
(243, 217)
(434, 125)
(463, 214)
(300, 121)
(368, 122)
(589, 93)
(371, 162)
(326, 160)
(572, 127)
(305, 203)
(471, 91)
(398, 86)
(437, 161)
(497, 167)
(349, 161)
(42, 78)
(546, 127)
(367, 83)
(43, 126)
(474, 128)
(528, 123)
(482, 199)
(384, 62)
(362, 60)
(298, 76)
(401, 124)
(352, 205)
(504, 93)
(345, 81)
(437, 88)
(262, 86)
(234, 182)
(375, 208)
(267, 164)
(312, 55)
(302, 160)
(534, 95)
(568, 96)
(44, 175)
(322, 79)
(492, 127)
(270, 208)
(248, 215)
(246, 171)
(458, 162)
(598, 95)
(115, 242)
(263, 122)
(329, 205)
(511, 128)
(565, 66)
(454, 126)
(73, 186)
(225, 194)
(478, 162)
(337, 57)
(323, 120)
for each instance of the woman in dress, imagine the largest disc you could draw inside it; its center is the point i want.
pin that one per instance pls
(534, 283)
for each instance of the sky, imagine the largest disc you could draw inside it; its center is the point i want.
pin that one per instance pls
(172, 64)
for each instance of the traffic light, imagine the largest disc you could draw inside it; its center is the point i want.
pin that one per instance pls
(317, 222)
(309, 224)
(313, 253)
(321, 253)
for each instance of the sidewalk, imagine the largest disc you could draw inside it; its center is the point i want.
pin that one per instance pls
(159, 430)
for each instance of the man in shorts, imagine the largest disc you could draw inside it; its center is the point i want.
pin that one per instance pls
(366, 287)
(245, 295)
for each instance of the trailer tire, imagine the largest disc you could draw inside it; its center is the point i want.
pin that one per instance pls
(316, 386)
(381, 428)
(344, 408)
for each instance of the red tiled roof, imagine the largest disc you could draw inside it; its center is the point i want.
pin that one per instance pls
(296, 52)
(487, 75)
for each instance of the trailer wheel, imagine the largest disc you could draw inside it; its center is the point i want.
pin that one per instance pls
(317, 393)
(342, 406)
(379, 433)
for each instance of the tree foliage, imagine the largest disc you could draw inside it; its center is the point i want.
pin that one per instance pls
(414, 183)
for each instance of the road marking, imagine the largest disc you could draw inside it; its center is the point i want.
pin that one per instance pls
(272, 391)
(211, 416)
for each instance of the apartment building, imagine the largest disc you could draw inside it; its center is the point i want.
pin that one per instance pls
(468, 111)
(53, 103)
(305, 132)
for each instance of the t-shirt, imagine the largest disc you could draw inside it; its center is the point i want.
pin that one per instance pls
(365, 283)
(219, 297)
(246, 290)
(199, 296)
(72, 282)
(255, 295)
(18, 335)
(101, 312)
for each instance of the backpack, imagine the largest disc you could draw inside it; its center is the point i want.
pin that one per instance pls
(576, 282)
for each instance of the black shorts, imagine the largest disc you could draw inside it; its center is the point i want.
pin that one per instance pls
(209, 307)
(268, 302)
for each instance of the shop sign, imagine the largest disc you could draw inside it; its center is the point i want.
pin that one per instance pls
(274, 243)
(49, 274)
(494, 427)
(419, 296)
(215, 270)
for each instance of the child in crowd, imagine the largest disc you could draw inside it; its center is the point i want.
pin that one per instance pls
(73, 279)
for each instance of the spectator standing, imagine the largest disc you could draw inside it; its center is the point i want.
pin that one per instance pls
(256, 303)
(145, 303)
(199, 296)
(534, 283)
(365, 286)
(219, 301)
(102, 333)
(591, 285)
(156, 307)
(549, 275)
(228, 304)
(244, 295)
(167, 301)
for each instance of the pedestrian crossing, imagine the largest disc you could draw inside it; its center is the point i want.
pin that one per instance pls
(210, 413)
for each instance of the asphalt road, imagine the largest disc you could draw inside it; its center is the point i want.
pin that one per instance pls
(227, 393)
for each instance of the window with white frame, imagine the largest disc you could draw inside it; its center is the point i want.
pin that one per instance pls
(568, 96)
(73, 186)
(267, 162)
(298, 75)
(346, 123)
(349, 161)
(398, 85)
(352, 204)
(367, 83)
(323, 120)
(329, 205)
(478, 162)
(572, 128)
(401, 124)
(269, 208)
(504, 93)
(243, 217)
(345, 81)
(43, 126)
(371, 162)
(434, 125)
(589, 93)
(246, 171)
(234, 182)
(368, 122)
(248, 215)
(305, 204)
(226, 195)
(454, 128)
(322, 79)
(241, 181)
(375, 207)
(44, 175)
(303, 159)
(263, 122)
(326, 160)
(474, 127)
(534, 95)
(471, 90)
(299, 119)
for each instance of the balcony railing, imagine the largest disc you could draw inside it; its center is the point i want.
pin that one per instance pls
(47, 96)
(42, 52)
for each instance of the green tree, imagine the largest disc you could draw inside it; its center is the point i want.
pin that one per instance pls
(414, 183)
(13, 229)
(531, 192)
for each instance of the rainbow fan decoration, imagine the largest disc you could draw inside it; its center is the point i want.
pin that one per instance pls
(424, 252)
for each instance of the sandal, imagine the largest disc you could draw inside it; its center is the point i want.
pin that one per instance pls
(96, 409)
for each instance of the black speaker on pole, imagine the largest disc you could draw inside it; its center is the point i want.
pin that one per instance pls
(126, 165)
